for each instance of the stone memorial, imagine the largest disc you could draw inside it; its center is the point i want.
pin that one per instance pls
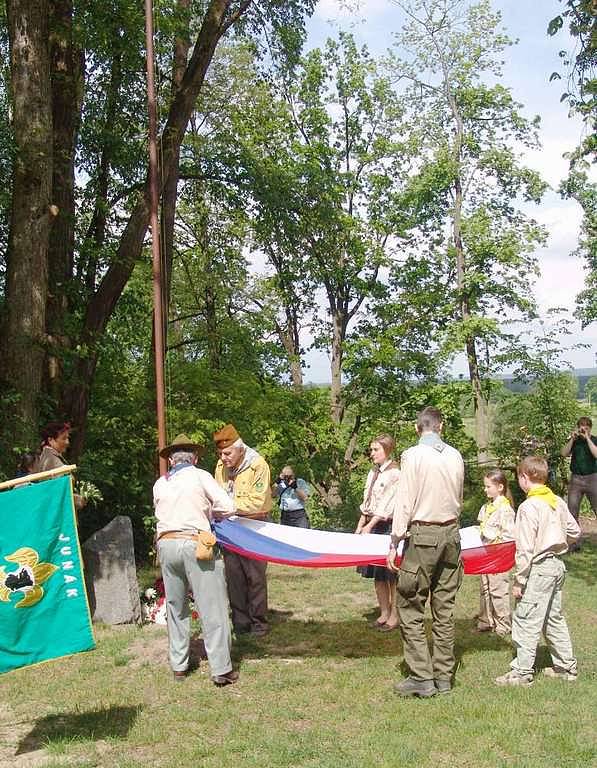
(111, 575)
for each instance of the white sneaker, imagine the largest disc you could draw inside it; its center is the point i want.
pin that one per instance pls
(561, 674)
(514, 678)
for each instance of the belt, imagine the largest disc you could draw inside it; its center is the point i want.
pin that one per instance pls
(178, 535)
(426, 522)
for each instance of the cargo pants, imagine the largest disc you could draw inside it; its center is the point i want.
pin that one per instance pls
(540, 611)
(181, 569)
(431, 568)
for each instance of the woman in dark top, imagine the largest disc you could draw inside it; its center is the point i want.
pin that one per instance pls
(55, 441)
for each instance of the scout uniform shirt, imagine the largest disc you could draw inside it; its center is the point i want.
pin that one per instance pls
(380, 489)
(248, 486)
(430, 487)
(541, 532)
(185, 497)
(496, 520)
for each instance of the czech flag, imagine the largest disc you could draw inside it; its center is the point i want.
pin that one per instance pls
(310, 548)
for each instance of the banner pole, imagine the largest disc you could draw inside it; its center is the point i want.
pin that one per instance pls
(35, 477)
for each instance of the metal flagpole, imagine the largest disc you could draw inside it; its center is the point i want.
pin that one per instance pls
(158, 324)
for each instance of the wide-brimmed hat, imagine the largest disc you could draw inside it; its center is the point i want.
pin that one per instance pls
(224, 437)
(182, 443)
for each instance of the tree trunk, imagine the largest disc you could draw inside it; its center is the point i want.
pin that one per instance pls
(96, 234)
(66, 63)
(480, 404)
(23, 338)
(337, 354)
(290, 338)
(170, 194)
(214, 344)
(103, 302)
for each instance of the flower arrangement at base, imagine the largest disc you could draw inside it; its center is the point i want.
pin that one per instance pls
(153, 604)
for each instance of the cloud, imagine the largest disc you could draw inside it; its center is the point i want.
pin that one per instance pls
(549, 160)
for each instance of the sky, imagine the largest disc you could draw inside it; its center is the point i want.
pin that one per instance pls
(527, 69)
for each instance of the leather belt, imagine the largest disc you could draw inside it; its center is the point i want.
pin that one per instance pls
(426, 522)
(178, 535)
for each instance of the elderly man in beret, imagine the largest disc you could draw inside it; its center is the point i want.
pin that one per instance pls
(245, 476)
(186, 499)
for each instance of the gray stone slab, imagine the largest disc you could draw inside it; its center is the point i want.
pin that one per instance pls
(111, 575)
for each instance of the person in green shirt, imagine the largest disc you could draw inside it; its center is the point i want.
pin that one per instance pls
(582, 448)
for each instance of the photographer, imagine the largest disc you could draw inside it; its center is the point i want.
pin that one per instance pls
(292, 493)
(582, 447)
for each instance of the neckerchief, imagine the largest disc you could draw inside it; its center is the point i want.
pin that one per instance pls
(376, 474)
(490, 508)
(545, 494)
(433, 440)
(176, 468)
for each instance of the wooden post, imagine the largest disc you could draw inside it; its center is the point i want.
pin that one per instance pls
(158, 323)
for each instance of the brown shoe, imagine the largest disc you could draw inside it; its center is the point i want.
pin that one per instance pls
(226, 679)
(180, 675)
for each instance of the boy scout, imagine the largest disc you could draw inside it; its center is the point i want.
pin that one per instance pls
(544, 529)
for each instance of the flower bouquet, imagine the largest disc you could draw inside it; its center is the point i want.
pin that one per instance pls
(153, 604)
(88, 491)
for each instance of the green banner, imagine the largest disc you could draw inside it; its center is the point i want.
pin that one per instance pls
(44, 612)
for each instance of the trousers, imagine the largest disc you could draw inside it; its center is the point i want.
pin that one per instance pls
(431, 568)
(540, 610)
(181, 570)
(494, 603)
(247, 592)
(582, 485)
(297, 518)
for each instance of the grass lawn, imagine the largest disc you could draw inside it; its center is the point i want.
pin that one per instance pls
(316, 692)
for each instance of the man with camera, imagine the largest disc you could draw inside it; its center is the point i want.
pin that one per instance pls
(292, 493)
(582, 447)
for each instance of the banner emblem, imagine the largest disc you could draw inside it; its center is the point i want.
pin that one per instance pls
(26, 579)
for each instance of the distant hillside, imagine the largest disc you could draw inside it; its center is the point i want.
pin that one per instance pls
(582, 375)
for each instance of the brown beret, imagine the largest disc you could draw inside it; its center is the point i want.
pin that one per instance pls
(224, 437)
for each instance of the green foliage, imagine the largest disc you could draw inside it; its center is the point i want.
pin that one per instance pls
(467, 126)
(540, 420)
(581, 21)
(579, 186)
(120, 450)
(591, 391)
(581, 64)
(470, 131)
